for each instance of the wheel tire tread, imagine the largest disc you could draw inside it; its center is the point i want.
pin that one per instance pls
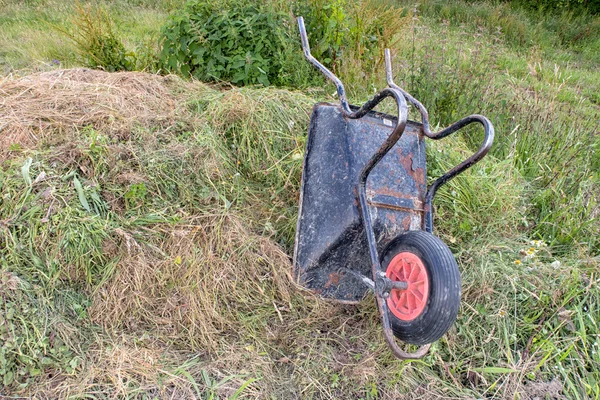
(442, 308)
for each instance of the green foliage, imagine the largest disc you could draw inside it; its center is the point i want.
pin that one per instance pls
(477, 203)
(558, 162)
(96, 40)
(30, 342)
(349, 37)
(243, 44)
(549, 27)
(265, 169)
(327, 28)
(553, 6)
(136, 195)
(246, 43)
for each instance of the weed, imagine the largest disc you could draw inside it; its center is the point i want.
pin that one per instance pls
(135, 195)
(349, 37)
(243, 44)
(30, 332)
(96, 40)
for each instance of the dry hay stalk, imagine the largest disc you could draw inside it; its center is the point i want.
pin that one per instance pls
(38, 105)
(117, 365)
(201, 282)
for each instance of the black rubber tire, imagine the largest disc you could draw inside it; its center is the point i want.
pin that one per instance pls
(444, 287)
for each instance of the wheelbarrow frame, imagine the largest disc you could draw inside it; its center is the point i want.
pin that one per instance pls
(380, 284)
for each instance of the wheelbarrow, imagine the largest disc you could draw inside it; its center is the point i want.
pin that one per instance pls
(366, 219)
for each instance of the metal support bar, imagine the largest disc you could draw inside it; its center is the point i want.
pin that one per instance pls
(384, 284)
(364, 280)
(469, 162)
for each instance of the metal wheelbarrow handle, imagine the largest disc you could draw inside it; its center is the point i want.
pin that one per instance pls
(475, 158)
(398, 95)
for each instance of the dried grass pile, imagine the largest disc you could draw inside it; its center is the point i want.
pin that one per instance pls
(35, 106)
(157, 219)
(195, 282)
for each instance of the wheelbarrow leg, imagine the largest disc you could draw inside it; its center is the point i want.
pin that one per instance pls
(382, 284)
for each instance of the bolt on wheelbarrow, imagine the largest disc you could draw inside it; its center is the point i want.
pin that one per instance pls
(366, 219)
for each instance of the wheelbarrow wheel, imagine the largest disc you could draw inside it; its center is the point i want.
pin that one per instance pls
(424, 311)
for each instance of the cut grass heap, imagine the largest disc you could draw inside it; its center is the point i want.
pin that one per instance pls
(146, 226)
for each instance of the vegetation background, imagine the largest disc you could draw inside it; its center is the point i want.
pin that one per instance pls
(147, 219)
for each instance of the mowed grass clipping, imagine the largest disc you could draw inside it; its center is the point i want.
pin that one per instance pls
(147, 226)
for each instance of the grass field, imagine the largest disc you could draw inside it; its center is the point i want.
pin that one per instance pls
(147, 221)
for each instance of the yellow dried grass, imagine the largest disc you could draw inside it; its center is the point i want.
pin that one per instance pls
(38, 105)
(195, 282)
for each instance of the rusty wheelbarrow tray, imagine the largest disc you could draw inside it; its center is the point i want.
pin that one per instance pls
(365, 221)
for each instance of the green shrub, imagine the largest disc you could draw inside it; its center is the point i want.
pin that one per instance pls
(249, 43)
(243, 44)
(550, 6)
(349, 37)
(96, 41)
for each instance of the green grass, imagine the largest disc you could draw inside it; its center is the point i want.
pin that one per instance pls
(145, 233)
(31, 30)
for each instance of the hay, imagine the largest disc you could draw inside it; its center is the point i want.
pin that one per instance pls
(38, 105)
(119, 364)
(170, 309)
(195, 282)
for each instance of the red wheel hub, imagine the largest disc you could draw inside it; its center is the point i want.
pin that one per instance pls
(407, 304)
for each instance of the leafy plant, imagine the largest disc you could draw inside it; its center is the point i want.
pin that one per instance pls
(243, 44)
(248, 43)
(96, 40)
(327, 28)
(553, 6)
(349, 37)
(135, 195)
(29, 344)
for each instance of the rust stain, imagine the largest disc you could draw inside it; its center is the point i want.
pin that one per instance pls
(334, 279)
(385, 191)
(407, 162)
(419, 175)
(406, 223)
(392, 218)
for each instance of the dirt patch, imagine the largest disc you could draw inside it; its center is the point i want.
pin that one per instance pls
(543, 390)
